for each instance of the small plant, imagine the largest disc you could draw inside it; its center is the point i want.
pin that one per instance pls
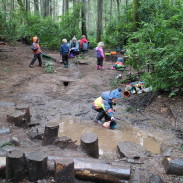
(49, 68)
(95, 86)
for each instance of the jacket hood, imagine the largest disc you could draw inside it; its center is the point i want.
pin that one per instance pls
(35, 39)
(120, 59)
(108, 95)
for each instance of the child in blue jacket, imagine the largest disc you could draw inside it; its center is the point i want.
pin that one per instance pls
(64, 52)
(105, 103)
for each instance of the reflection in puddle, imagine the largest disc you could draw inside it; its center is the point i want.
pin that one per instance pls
(108, 139)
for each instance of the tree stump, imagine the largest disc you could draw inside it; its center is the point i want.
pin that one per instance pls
(64, 171)
(20, 117)
(37, 166)
(15, 166)
(89, 143)
(24, 108)
(65, 142)
(50, 133)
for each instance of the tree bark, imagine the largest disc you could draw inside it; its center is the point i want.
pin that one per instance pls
(111, 10)
(83, 15)
(15, 165)
(99, 20)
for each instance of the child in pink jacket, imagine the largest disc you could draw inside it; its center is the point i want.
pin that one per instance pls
(100, 55)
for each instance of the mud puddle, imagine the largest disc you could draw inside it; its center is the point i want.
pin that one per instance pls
(108, 139)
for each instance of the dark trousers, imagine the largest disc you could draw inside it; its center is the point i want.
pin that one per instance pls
(65, 57)
(37, 56)
(101, 114)
(100, 61)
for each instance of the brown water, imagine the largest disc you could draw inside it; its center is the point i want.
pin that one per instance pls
(108, 139)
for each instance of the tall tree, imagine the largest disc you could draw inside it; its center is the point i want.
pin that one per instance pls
(111, 9)
(136, 5)
(83, 15)
(99, 20)
(63, 7)
(66, 5)
(27, 3)
(36, 6)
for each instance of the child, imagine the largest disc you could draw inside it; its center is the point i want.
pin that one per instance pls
(119, 66)
(83, 44)
(36, 51)
(74, 47)
(104, 105)
(64, 52)
(100, 56)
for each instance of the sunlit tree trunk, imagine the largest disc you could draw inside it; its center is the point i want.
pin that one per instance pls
(83, 16)
(99, 19)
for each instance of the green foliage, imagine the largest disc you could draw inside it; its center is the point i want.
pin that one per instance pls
(49, 68)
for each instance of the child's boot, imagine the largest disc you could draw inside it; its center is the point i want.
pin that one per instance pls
(101, 67)
(98, 67)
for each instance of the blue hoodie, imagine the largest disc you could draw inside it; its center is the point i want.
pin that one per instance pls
(107, 97)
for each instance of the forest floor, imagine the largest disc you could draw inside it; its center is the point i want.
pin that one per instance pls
(49, 99)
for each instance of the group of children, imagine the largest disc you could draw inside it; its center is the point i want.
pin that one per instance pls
(104, 104)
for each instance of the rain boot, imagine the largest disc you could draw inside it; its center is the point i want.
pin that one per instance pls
(99, 117)
(97, 67)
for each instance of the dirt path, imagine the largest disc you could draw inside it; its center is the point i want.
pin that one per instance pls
(50, 100)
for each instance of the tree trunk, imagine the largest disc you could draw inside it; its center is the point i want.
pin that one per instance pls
(111, 10)
(136, 6)
(99, 19)
(27, 5)
(66, 5)
(83, 16)
(63, 7)
(36, 6)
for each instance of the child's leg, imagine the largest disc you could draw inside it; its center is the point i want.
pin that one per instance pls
(33, 60)
(40, 59)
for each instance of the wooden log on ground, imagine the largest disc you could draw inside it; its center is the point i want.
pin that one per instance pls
(15, 166)
(64, 171)
(97, 170)
(37, 166)
(173, 165)
(50, 133)
(24, 108)
(89, 143)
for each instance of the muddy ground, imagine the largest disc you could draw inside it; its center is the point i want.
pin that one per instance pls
(49, 99)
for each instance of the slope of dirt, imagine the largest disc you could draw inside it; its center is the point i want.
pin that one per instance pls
(50, 100)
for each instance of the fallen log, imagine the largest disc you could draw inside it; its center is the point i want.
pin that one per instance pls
(96, 170)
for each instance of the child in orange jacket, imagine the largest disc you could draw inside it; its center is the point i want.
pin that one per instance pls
(36, 51)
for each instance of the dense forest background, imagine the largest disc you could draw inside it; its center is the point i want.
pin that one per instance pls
(150, 30)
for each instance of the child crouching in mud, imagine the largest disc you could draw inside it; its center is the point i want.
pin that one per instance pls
(105, 103)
